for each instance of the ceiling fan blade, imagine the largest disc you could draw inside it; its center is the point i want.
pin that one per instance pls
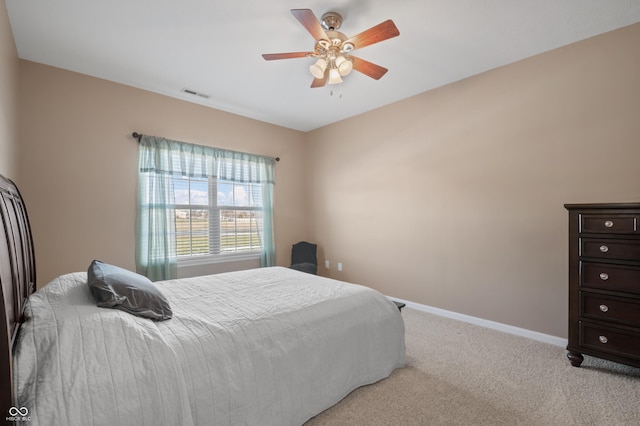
(320, 82)
(368, 68)
(380, 32)
(311, 23)
(290, 55)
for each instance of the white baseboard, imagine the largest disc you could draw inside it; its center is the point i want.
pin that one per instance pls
(523, 332)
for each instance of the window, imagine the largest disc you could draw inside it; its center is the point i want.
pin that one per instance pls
(216, 217)
(201, 204)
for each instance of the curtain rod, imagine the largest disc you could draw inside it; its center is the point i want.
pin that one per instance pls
(138, 136)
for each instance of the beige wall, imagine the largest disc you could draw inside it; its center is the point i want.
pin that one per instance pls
(454, 198)
(8, 98)
(78, 163)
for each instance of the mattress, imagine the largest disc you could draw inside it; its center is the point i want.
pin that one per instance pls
(269, 346)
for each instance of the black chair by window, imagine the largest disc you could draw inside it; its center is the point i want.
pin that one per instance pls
(303, 257)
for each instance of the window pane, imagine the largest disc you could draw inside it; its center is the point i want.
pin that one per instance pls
(225, 193)
(256, 227)
(181, 190)
(256, 195)
(192, 232)
(241, 195)
(227, 231)
(199, 192)
(239, 230)
(192, 191)
(183, 232)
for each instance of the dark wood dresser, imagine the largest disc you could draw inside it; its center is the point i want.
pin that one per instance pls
(604, 282)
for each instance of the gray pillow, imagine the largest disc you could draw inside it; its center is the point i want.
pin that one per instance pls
(118, 288)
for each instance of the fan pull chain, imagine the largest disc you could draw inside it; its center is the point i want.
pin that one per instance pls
(340, 94)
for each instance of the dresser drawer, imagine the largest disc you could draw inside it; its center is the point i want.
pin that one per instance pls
(609, 224)
(606, 276)
(608, 308)
(610, 340)
(610, 249)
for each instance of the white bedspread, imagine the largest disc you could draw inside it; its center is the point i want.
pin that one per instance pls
(269, 346)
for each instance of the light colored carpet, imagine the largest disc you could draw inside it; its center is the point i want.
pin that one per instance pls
(462, 374)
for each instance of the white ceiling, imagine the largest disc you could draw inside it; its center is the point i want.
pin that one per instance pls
(214, 47)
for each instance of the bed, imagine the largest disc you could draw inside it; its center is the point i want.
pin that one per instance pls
(268, 346)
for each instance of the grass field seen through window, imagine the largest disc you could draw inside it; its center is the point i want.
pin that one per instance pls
(237, 232)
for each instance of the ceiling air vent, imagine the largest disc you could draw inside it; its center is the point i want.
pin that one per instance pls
(194, 93)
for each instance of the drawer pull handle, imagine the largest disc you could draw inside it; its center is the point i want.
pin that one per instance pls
(603, 339)
(604, 308)
(608, 223)
(604, 248)
(604, 276)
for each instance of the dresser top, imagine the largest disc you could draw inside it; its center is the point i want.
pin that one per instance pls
(601, 206)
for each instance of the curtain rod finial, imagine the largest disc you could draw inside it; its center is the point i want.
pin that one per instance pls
(136, 135)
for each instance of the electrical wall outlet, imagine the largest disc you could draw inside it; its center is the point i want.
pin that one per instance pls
(339, 266)
(326, 264)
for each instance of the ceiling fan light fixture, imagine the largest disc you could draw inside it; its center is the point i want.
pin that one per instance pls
(318, 69)
(344, 65)
(334, 76)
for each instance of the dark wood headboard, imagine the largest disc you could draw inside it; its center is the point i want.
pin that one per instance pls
(17, 279)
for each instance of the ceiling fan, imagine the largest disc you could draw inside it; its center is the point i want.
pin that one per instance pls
(333, 49)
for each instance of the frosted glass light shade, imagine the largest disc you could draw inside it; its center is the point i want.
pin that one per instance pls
(334, 76)
(317, 69)
(344, 65)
